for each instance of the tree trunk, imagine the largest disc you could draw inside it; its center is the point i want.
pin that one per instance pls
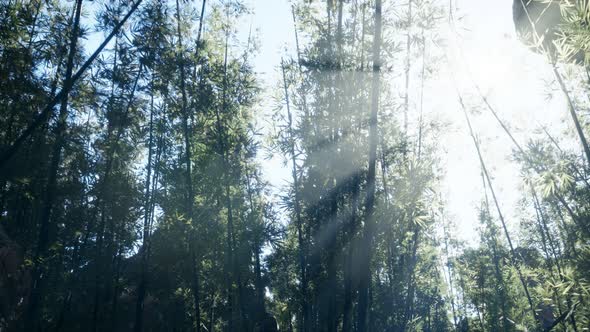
(572, 110)
(51, 189)
(409, 302)
(230, 271)
(407, 71)
(367, 241)
(141, 290)
(450, 274)
(302, 252)
(349, 257)
(195, 262)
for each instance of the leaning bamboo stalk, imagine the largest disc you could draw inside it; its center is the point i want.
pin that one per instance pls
(46, 112)
(499, 211)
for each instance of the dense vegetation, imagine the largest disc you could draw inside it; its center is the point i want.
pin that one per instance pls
(132, 193)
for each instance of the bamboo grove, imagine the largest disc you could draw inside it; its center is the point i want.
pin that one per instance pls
(134, 195)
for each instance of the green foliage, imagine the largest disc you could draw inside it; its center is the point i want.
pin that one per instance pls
(144, 205)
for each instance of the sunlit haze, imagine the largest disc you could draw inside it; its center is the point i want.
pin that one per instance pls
(483, 50)
(294, 165)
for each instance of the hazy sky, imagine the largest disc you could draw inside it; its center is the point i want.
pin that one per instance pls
(511, 76)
